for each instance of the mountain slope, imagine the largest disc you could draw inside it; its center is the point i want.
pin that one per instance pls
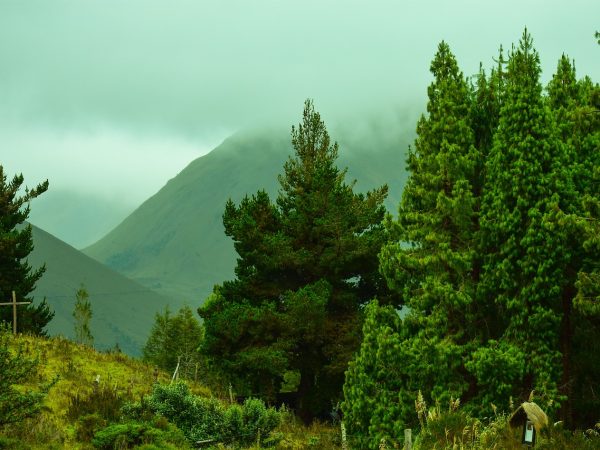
(123, 311)
(175, 243)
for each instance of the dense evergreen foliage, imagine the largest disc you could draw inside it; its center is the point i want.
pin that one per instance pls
(495, 253)
(306, 264)
(15, 245)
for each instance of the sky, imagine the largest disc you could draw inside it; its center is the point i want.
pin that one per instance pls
(108, 99)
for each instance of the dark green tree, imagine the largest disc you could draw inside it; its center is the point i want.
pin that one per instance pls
(306, 264)
(575, 105)
(159, 348)
(16, 244)
(82, 313)
(175, 339)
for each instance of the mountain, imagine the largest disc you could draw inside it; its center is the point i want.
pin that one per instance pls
(75, 217)
(123, 310)
(175, 243)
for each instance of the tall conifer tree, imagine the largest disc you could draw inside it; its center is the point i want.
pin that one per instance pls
(431, 260)
(578, 123)
(306, 264)
(527, 184)
(16, 243)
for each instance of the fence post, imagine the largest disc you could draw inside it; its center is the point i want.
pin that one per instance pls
(407, 439)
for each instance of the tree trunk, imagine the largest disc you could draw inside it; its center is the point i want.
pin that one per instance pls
(305, 393)
(566, 341)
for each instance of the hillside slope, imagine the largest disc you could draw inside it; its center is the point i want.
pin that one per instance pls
(123, 311)
(174, 242)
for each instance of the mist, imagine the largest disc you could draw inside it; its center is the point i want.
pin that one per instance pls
(109, 100)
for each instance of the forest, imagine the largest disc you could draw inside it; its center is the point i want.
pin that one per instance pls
(478, 298)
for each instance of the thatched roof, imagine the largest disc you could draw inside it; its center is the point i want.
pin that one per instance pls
(531, 411)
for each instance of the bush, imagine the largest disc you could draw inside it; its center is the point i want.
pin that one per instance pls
(132, 434)
(104, 400)
(87, 426)
(17, 368)
(203, 419)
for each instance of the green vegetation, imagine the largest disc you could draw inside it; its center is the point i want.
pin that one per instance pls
(123, 309)
(493, 256)
(175, 341)
(208, 419)
(82, 315)
(16, 367)
(108, 400)
(16, 244)
(306, 264)
(483, 292)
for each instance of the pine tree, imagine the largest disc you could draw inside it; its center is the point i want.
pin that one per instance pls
(373, 409)
(431, 261)
(175, 339)
(188, 334)
(16, 243)
(527, 185)
(306, 264)
(82, 313)
(159, 348)
(576, 118)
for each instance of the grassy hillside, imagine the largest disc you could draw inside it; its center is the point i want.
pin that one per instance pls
(175, 244)
(76, 406)
(123, 311)
(76, 367)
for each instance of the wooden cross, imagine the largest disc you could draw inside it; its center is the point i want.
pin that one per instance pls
(14, 304)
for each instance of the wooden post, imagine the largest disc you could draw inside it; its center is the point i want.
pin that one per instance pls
(407, 439)
(176, 373)
(14, 304)
(344, 442)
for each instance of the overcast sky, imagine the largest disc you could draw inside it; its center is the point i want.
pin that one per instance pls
(112, 98)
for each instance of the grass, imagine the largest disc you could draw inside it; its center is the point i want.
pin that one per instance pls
(77, 367)
(77, 406)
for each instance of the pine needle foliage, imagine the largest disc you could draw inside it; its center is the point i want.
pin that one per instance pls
(82, 313)
(16, 243)
(307, 262)
(494, 253)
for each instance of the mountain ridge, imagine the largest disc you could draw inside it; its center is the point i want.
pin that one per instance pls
(123, 310)
(175, 243)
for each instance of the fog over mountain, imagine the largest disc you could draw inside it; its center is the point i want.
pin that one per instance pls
(109, 100)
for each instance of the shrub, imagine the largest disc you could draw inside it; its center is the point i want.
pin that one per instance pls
(16, 368)
(103, 400)
(86, 426)
(132, 434)
(207, 418)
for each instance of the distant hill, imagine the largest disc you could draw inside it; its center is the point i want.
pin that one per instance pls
(175, 243)
(123, 310)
